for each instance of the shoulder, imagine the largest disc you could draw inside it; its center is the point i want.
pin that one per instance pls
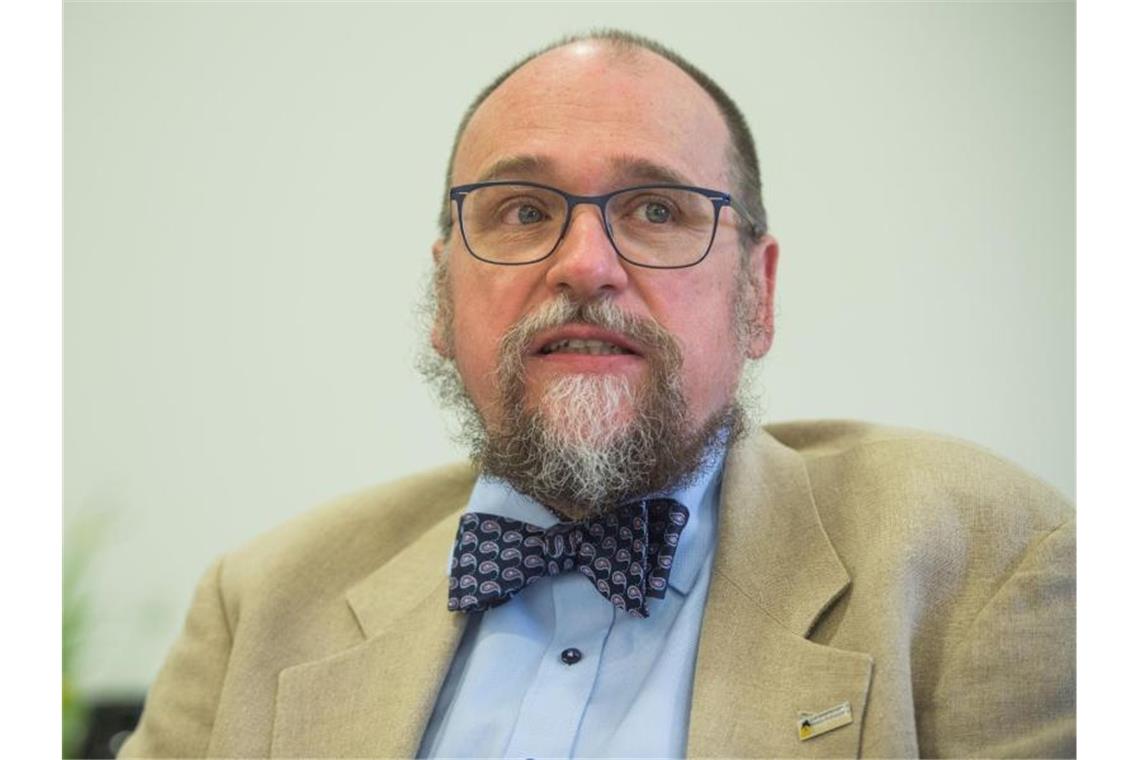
(877, 486)
(891, 463)
(335, 544)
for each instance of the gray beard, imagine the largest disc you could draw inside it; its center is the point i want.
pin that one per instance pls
(565, 450)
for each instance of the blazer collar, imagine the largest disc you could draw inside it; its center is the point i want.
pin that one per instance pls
(771, 544)
(374, 699)
(382, 599)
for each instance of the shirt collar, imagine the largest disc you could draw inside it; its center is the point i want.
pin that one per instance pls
(700, 497)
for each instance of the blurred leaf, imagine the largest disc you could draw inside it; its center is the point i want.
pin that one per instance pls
(81, 541)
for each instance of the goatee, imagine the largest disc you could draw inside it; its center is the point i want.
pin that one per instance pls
(590, 442)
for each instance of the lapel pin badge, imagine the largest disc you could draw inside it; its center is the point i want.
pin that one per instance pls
(809, 725)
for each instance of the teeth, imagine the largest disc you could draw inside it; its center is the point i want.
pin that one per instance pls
(592, 347)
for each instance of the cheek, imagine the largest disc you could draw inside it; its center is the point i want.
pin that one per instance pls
(712, 356)
(476, 344)
(485, 306)
(711, 364)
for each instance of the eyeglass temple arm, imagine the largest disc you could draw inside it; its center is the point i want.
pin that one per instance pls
(753, 226)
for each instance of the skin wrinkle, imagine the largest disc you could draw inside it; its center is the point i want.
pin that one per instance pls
(624, 169)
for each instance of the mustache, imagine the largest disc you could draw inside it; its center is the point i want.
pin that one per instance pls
(661, 348)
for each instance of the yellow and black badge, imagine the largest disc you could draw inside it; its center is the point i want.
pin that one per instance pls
(810, 724)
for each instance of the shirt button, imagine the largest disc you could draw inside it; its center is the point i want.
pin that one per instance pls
(571, 656)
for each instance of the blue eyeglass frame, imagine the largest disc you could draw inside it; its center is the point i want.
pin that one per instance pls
(719, 200)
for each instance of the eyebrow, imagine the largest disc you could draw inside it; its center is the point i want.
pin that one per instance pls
(511, 167)
(628, 168)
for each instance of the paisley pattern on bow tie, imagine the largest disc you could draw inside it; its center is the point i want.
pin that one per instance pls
(627, 554)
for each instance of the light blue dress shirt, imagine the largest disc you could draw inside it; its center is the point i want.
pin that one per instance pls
(508, 692)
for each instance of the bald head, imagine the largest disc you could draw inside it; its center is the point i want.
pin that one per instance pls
(588, 120)
(622, 72)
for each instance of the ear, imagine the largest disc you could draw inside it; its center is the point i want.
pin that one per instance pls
(439, 330)
(761, 273)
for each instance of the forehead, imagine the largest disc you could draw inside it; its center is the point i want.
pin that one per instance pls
(589, 117)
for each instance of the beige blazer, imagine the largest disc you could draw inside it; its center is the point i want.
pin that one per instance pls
(924, 582)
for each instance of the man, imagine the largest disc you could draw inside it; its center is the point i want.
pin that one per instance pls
(632, 570)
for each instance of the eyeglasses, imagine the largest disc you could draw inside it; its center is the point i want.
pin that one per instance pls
(657, 226)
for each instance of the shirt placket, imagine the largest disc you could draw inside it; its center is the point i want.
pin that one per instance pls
(552, 710)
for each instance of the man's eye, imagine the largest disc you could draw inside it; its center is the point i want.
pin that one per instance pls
(525, 213)
(657, 213)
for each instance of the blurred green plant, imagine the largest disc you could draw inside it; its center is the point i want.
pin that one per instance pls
(82, 537)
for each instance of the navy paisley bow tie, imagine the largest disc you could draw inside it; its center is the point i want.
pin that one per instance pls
(627, 554)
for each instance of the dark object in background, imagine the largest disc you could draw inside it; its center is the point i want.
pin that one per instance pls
(109, 724)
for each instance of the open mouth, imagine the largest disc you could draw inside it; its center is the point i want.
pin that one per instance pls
(591, 347)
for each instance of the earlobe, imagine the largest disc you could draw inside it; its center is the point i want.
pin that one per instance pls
(761, 275)
(438, 341)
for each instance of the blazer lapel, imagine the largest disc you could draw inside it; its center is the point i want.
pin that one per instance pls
(774, 574)
(374, 700)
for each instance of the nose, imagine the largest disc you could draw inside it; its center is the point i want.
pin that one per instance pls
(585, 265)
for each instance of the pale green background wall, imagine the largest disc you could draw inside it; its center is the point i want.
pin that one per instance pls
(250, 195)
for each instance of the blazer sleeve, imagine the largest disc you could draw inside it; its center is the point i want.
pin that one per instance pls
(179, 713)
(1008, 687)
